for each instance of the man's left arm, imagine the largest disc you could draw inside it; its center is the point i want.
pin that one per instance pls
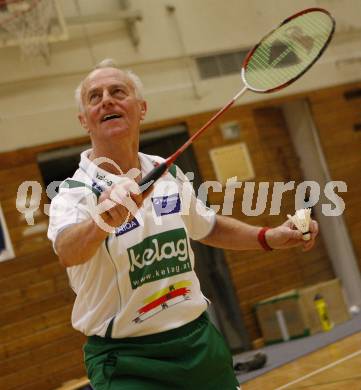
(230, 233)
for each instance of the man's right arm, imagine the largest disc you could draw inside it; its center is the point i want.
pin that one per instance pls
(78, 243)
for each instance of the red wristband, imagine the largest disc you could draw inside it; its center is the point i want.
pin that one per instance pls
(262, 239)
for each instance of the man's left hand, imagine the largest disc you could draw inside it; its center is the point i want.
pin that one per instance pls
(287, 236)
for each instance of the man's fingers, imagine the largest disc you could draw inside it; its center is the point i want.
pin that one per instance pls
(116, 204)
(105, 205)
(313, 229)
(147, 191)
(116, 214)
(118, 192)
(122, 195)
(295, 234)
(130, 204)
(138, 199)
(308, 245)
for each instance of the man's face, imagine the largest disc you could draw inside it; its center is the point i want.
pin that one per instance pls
(111, 108)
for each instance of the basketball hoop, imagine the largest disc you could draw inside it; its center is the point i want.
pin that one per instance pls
(28, 21)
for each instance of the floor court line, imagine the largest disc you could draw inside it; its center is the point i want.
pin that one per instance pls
(324, 368)
(320, 384)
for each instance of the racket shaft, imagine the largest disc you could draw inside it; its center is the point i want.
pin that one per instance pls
(152, 176)
(158, 171)
(175, 155)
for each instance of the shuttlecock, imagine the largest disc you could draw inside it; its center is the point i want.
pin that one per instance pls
(301, 220)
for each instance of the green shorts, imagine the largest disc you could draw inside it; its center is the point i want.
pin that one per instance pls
(192, 357)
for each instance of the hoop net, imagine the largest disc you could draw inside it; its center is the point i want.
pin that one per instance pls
(28, 21)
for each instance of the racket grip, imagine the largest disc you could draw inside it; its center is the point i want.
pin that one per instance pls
(152, 176)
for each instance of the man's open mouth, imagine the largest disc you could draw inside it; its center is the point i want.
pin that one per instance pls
(109, 117)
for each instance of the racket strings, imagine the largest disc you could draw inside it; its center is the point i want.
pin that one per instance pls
(271, 79)
(288, 51)
(287, 72)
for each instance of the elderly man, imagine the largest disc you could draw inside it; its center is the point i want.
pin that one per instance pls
(130, 263)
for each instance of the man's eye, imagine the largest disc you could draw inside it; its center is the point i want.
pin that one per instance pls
(94, 97)
(119, 92)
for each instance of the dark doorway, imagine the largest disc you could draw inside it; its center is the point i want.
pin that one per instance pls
(210, 266)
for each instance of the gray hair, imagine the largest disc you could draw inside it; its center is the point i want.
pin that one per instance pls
(110, 63)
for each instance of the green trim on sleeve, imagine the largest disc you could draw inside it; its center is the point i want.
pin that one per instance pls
(70, 183)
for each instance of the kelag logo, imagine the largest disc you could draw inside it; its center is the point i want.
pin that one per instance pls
(158, 257)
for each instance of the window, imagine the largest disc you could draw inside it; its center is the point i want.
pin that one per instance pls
(219, 65)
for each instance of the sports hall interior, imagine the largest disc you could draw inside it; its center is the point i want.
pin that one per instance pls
(188, 54)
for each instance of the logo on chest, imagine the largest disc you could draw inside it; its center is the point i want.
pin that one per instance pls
(158, 257)
(164, 205)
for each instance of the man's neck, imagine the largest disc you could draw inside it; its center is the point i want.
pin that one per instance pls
(124, 158)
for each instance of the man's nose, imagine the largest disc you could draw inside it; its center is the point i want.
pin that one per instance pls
(107, 98)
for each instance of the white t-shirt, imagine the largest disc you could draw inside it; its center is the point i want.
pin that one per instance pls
(142, 276)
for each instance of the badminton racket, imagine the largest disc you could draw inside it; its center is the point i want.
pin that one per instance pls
(278, 60)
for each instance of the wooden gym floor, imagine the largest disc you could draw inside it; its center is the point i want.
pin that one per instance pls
(335, 367)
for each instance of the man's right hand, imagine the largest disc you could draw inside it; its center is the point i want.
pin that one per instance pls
(121, 200)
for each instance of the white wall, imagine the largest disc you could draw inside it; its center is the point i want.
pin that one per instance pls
(36, 98)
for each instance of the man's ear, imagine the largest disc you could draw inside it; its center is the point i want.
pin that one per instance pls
(83, 122)
(143, 109)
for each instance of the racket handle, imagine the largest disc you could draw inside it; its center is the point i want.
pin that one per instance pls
(152, 176)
